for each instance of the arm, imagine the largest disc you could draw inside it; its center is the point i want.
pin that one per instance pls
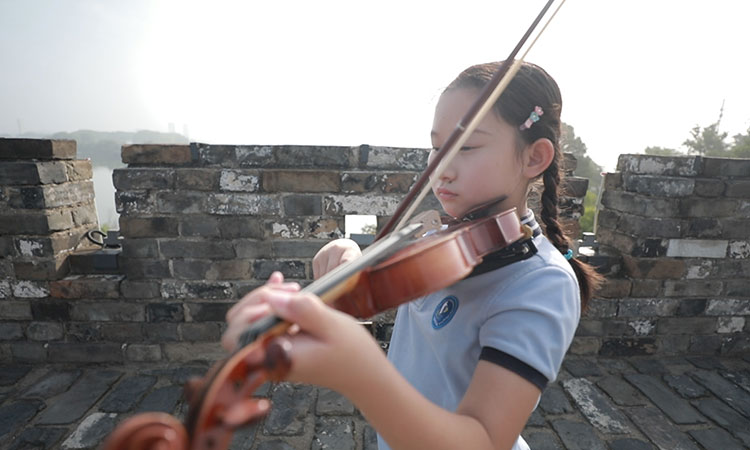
(332, 350)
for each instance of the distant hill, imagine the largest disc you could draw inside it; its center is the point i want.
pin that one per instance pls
(103, 147)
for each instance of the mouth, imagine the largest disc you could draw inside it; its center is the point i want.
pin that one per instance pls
(445, 194)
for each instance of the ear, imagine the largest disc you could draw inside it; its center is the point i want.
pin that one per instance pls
(537, 157)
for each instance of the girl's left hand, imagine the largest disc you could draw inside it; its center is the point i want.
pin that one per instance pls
(329, 348)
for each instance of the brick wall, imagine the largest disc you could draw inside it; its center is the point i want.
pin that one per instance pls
(201, 225)
(46, 208)
(679, 231)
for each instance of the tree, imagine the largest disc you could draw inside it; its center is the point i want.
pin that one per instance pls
(741, 146)
(586, 168)
(708, 141)
(662, 151)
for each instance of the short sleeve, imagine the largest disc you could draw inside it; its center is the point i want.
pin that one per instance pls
(534, 318)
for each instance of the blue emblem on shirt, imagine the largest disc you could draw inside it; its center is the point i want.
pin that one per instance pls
(444, 312)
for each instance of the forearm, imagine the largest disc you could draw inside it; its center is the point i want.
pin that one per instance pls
(407, 420)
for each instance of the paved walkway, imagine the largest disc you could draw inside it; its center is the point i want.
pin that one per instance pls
(627, 403)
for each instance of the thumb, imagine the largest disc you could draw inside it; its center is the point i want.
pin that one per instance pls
(306, 310)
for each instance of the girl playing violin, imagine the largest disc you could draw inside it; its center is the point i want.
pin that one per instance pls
(466, 365)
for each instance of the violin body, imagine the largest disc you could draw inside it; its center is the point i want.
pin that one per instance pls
(433, 263)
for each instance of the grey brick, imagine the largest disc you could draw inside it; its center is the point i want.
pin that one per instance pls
(54, 382)
(658, 185)
(542, 440)
(132, 179)
(659, 430)
(108, 311)
(244, 438)
(292, 404)
(184, 248)
(74, 403)
(637, 346)
(724, 389)
(675, 407)
(10, 331)
(38, 437)
(630, 444)
(716, 438)
(90, 352)
(685, 386)
(725, 417)
(579, 367)
(163, 399)
(126, 394)
(578, 435)
(275, 444)
(620, 391)
(15, 414)
(302, 205)
(165, 312)
(370, 439)
(333, 432)
(44, 331)
(181, 202)
(291, 269)
(332, 403)
(553, 401)
(12, 374)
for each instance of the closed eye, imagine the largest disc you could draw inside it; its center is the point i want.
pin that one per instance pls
(465, 148)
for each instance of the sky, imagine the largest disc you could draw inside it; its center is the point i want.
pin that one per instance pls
(633, 74)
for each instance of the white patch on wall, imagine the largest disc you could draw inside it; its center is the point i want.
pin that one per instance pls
(731, 324)
(27, 248)
(27, 289)
(237, 181)
(642, 327)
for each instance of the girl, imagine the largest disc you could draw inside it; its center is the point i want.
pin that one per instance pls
(466, 365)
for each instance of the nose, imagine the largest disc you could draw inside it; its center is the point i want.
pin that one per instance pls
(448, 175)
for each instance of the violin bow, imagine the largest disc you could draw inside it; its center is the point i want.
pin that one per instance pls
(468, 123)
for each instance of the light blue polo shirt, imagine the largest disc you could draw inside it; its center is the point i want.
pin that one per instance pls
(527, 311)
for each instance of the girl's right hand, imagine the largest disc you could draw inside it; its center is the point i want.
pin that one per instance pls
(333, 254)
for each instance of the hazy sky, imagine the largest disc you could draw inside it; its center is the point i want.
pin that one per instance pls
(633, 73)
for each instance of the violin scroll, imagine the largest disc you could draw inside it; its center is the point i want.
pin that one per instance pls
(149, 431)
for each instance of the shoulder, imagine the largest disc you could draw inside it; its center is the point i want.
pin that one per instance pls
(534, 310)
(547, 275)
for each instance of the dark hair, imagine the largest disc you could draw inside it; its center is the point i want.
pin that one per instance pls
(531, 87)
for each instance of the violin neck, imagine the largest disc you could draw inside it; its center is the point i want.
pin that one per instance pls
(329, 286)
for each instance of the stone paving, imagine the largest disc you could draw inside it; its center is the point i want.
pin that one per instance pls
(637, 403)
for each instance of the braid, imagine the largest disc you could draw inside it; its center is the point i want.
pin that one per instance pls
(552, 227)
(588, 278)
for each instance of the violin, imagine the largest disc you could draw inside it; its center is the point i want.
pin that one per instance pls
(405, 262)
(398, 270)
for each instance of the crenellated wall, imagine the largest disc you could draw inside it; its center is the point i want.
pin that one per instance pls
(679, 228)
(201, 225)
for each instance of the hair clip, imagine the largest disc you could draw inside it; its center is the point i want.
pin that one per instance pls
(568, 255)
(533, 118)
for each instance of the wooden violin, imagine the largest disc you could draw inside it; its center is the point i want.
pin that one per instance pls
(397, 268)
(392, 273)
